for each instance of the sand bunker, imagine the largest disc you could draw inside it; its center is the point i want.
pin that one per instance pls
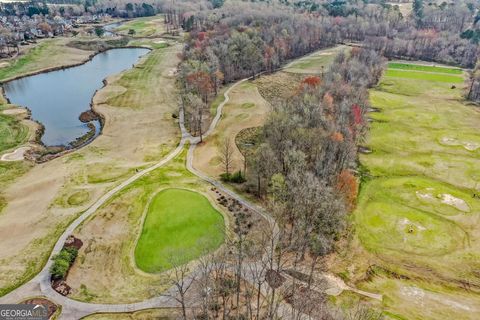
(424, 196)
(14, 111)
(17, 155)
(470, 146)
(4, 64)
(459, 204)
(445, 198)
(160, 41)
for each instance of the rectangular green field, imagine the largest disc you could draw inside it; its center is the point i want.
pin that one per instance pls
(424, 76)
(418, 67)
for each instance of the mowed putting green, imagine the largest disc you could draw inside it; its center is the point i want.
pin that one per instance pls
(180, 226)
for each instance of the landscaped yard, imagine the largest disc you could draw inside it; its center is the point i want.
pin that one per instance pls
(180, 226)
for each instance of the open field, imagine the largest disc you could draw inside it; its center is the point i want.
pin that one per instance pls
(52, 194)
(432, 76)
(404, 7)
(424, 67)
(144, 27)
(181, 224)
(49, 53)
(106, 269)
(417, 214)
(316, 62)
(245, 109)
(12, 131)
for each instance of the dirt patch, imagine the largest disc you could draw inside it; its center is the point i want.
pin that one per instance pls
(278, 86)
(73, 242)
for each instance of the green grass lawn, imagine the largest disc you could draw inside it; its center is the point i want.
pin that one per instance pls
(416, 211)
(12, 132)
(144, 27)
(316, 62)
(410, 74)
(180, 226)
(418, 67)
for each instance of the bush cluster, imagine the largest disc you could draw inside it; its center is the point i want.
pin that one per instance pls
(236, 177)
(62, 262)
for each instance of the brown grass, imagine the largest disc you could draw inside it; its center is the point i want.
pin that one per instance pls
(133, 137)
(245, 109)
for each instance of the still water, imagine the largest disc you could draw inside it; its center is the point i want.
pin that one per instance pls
(57, 98)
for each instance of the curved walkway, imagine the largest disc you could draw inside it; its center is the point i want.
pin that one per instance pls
(73, 309)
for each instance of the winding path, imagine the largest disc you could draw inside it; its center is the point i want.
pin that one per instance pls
(73, 309)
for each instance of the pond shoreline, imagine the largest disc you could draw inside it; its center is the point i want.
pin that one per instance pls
(48, 153)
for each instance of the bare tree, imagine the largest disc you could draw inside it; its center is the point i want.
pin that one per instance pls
(226, 155)
(181, 280)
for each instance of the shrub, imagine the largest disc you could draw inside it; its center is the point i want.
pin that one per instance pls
(59, 268)
(62, 262)
(236, 177)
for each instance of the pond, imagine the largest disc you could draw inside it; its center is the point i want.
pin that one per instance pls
(57, 98)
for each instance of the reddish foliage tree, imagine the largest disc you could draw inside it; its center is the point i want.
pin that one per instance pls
(202, 83)
(347, 185)
(328, 101)
(357, 115)
(312, 81)
(338, 137)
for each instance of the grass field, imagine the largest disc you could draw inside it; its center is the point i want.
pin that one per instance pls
(12, 132)
(180, 226)
(245, 109)
(144, 27)
(417, 215)
(430, 76)
(49, 53)
(50, 195)
(316, 62)
(426, 68)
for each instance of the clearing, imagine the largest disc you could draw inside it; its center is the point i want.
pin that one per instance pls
(144, 27)
(417, 216)
(181, 224)
(316, 62)
(246, 109)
